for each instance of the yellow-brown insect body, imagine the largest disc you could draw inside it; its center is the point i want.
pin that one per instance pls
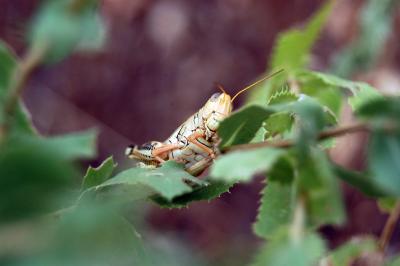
(195, 142)
(204, 124)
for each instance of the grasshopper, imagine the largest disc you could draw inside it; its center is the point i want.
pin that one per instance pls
(195, 142)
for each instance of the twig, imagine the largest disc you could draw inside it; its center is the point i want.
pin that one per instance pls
(339, 131)
(389, 227)
(26, 66)
(297, 227)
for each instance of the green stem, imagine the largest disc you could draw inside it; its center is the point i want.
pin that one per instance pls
(26, 66)
(389, 227)
(297, 227)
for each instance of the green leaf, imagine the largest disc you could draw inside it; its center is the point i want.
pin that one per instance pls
(394, 261)
(361, 181)
(21, 121)
(362, 92)
(346, 253)
(282, 251)
(259, 136)
(242, 165)
(71, 146)
(94, 34)
(8, 64)
(321, 189)
(381, 109)
(387, 204)
(312, 119)
(208, 192)
(92, 234)
(275, 210)
(282, 171)
(33, 177)
(292, 49)
(376, 23)
(242, 125)
(326, 94)
(98, 175)
(36, 172)
(384, 161)
(282, 96)
(61, 29)
(279, 123)
(169, 181)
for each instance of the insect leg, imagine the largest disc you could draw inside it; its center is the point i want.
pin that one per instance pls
(198, 167)
(163, 150)
(193, 138)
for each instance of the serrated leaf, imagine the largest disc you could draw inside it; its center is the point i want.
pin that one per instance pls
(292, 51)
(169, 181)
(282, 251)
(282, 171)
(346, 253)
(362, 92)
(316, 181)
(327, 95)
(383, 158)
(275, 210)
(98, 175)
(208, 192)
(278, 123)
(282, 96)
(61, 29)
(359, 180)
(312, 119)
(293, 47)
(242, 125)
(242, 165)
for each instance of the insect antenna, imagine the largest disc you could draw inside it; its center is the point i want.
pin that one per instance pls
(255, 83)
(220, 87)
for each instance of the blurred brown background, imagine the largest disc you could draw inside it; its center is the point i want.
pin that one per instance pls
(158, 67)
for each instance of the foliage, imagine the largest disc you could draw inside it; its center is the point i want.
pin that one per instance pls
(346, 253)
(282, 250)
(279, 136)
(292, 52)
(376, 21)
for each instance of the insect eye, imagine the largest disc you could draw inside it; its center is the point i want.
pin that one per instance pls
(146, 146)
(215, 96)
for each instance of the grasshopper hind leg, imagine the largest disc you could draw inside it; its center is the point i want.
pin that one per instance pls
(198, 167)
